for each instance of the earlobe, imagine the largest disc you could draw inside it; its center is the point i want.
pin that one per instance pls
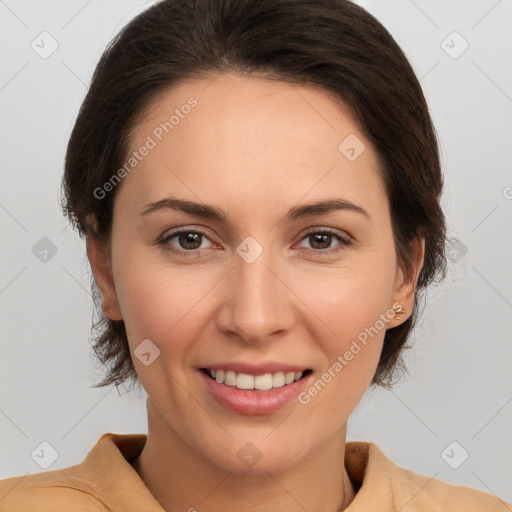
(100, 266)
(405, 284)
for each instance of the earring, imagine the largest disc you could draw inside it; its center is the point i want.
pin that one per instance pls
(398, 311)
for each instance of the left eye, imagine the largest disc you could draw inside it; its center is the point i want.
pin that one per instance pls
(323, 239)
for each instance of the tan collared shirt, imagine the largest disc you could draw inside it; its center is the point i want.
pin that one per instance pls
(106, 481)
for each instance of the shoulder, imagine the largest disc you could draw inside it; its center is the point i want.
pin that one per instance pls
(422, 492)
(47, 491)
(433, 494)
(386, 486)
(103, 481)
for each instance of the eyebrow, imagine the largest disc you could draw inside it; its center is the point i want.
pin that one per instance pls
(207, 211)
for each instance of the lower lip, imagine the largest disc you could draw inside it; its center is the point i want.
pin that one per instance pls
(253, 403)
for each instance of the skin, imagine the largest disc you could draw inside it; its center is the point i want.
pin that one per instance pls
(254, 148)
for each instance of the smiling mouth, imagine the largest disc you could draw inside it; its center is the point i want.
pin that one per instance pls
(263, 382)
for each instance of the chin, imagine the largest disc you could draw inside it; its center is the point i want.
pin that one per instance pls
(255, 457)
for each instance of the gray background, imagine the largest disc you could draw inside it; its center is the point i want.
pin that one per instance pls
(459, 383)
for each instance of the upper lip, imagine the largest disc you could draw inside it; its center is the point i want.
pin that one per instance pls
(256, 368)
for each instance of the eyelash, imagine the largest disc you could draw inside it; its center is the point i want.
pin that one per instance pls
(344, 242)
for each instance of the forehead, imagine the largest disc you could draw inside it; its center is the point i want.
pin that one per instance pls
(249, 137)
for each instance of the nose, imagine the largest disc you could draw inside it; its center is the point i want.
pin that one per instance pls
(258, 304)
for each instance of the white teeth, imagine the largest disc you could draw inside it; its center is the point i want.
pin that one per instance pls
(263, 382)
(289, 377)
(230, 378)
(258, 382)
(244, 381)
(278, 380)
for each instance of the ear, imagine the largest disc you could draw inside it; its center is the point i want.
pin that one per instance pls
(405, 284)
(101, 267)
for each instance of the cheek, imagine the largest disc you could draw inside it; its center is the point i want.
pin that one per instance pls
(351, 343)
(353, 305)
(160, 303)
(350, 299)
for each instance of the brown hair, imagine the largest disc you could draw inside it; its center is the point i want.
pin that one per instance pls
(333, 44)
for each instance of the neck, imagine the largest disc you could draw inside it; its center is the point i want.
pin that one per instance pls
(182, 479)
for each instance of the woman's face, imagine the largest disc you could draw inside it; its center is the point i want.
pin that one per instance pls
(267, 284)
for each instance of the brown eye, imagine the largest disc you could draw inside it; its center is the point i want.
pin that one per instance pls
(321, 241)
(187, 241)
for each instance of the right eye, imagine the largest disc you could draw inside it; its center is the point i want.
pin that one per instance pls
(190, 241)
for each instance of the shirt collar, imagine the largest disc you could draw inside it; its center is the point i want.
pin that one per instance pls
(107, 474)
